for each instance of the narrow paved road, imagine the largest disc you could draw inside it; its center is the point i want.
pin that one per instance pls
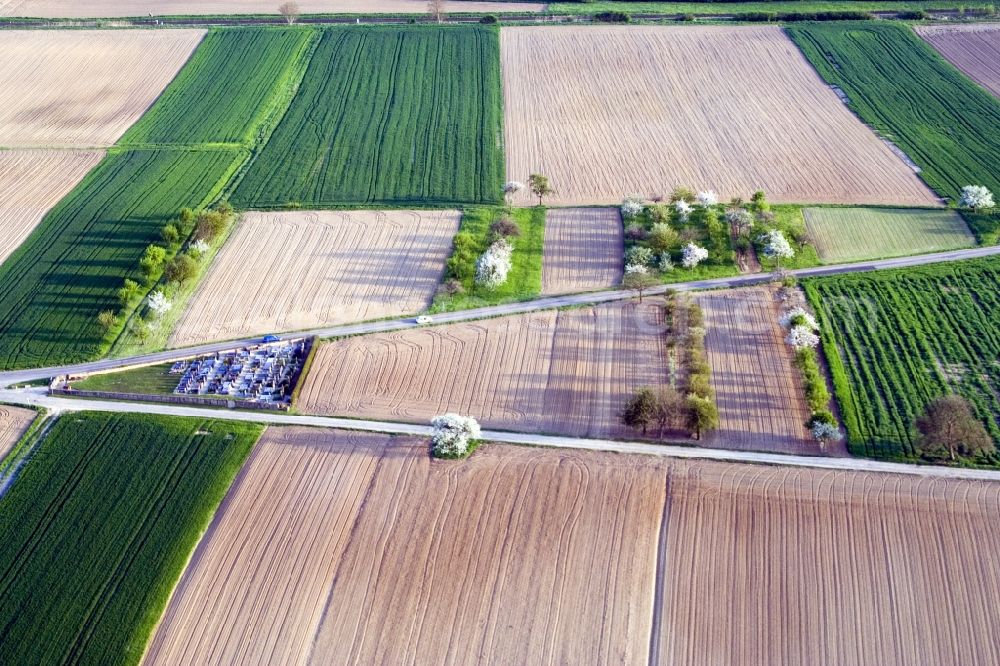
(19, 376)
(38, 397)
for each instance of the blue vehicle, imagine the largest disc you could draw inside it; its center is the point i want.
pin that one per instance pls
(270, 338)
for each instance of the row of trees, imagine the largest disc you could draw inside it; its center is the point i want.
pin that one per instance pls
(690, 407)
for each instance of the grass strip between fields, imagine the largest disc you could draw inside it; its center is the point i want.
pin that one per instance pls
(98, 527)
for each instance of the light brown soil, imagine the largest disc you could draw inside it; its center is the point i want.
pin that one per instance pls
(341, 548)
(31, 182)
(584, 250)
(567, 372)
(974, 49)
(609, 111)
(768, 565)
(83, 88)
(121, 8)
(759, 392)
(385, 556)
(14, 421)
(299, 270)
(255, 588)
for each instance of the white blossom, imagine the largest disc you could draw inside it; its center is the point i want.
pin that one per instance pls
(803, 317)
(706, 199)
(683, 209)
(693, 255)
(665, 263)
(801, 337)
(740, 218)
(635, 268)
(976, 197)
(453, 434)
(776, 245)
(511, 188)
(199, 247)
(158, 303)
(494, 264)
(826, 432)
(631, 206)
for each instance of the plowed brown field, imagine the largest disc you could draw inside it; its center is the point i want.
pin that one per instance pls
(567, 372)
(759, 392)
(31, 182)
(14, 421)
(299, 270)
(974, 49)
(767, 565)
(118, 8)
(83, 88)
(611, 111)
(353, 548)
(342, 548)
(584, 250)
(255, 589)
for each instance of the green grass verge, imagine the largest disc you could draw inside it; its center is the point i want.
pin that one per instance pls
(227, 90)
(388, 115)
(149, 380)
(525, 278)
(902, 87)
(844, 235)
(98, 527)
(72, 265)
(726, 8)
(896, 340)
(788, 219)
(985, 226)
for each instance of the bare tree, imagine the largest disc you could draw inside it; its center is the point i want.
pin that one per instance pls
(435, 8)
(948, 429)
(290, 10)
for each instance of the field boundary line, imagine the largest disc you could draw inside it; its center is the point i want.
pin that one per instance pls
(38, 398)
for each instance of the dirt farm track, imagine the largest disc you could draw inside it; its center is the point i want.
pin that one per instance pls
(609, 111)
(353, 548)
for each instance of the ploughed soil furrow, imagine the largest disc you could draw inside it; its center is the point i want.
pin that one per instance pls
(567, 372)
(609, 111)
(14, 422)
(83, 88)
(584, 250)
(759, 392)
(297, 270)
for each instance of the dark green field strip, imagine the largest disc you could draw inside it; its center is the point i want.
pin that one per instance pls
(232, 84)
(388, 115)
(70, 268)
(98, 527)
(899, 339)
(899, 85)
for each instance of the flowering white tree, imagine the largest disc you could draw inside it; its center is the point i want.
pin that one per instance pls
(453, 434)
(976, 197)
(801, 337)
(825, 432)
(665, 262)
(799, 317)
(158, 303)
(707, 199)
(494, 264)
(631, 206)
(776, 246)
(693, 255)
(199, 247)
(511, 188)
(683, 209)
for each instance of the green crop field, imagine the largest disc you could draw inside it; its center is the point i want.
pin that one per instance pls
(388, 115)
(98, 527)
(859, 234)
(899, 339)
(70, 268)
(232, 84)
(902, 87)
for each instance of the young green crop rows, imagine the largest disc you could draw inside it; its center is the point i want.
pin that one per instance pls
(98, 527)
(900, 86)
(899, 339)
(388, 115)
